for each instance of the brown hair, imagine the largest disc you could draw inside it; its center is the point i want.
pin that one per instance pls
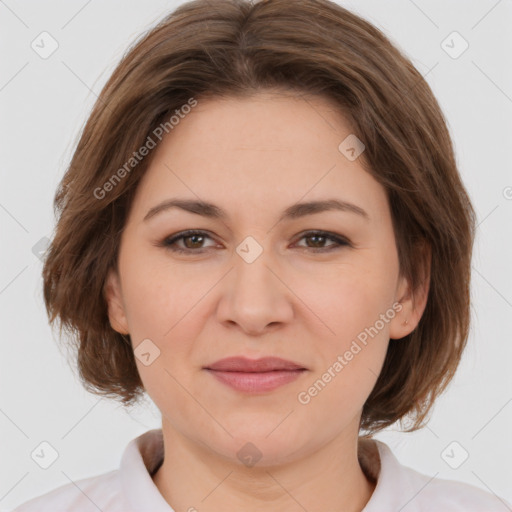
(237, 48)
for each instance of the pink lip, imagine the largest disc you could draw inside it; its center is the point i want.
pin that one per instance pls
(244, 364)
(255, 375)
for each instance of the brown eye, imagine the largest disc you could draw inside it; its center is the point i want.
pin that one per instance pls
(192, 241)
(319, 238)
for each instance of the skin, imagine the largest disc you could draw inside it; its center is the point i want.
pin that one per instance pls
(254, 157)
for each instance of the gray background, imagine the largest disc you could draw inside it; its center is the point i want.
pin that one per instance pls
(44, 103)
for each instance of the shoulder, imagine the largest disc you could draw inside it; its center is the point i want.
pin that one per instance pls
(128, 488)
(435, 493)
(101, 492)
(407, 490)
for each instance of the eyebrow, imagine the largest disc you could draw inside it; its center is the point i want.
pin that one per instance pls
(292, 212)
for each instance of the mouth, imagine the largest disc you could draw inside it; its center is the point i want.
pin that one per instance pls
(255, 375)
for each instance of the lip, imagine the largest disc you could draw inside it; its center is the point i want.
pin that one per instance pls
(255, 375)
(244, 364)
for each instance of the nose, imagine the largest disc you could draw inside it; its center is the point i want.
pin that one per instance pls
(255, 296)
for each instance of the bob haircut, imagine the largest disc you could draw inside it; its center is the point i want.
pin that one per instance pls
(236, 49)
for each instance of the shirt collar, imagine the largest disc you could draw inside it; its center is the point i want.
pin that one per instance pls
(394, 489)
(141, 458)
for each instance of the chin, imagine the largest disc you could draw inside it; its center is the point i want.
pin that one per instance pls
(252, 446)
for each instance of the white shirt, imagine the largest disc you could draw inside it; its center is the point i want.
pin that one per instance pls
(131, 488)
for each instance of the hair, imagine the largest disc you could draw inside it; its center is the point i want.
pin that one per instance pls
(237, 49)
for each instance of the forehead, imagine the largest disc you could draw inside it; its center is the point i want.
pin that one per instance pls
(264, 122)
(267, 149)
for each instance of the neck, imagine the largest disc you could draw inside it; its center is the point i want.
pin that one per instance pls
(194, 477)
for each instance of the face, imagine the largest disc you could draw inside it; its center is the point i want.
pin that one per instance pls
(254, 282)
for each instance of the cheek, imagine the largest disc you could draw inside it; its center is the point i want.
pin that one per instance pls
(354, 298)
(161, 304)
(350, 360)
(357, 308)
(158, 295)
(164, 305)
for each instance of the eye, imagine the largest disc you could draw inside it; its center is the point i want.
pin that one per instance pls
(191, 238)
(320, 237)
(193, 241)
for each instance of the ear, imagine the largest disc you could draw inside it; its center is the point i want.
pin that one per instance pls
(114, 298)
(413, 301)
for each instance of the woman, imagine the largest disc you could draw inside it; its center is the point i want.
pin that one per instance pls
(263, 228)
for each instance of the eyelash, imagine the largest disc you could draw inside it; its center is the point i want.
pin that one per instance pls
(169, 243)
